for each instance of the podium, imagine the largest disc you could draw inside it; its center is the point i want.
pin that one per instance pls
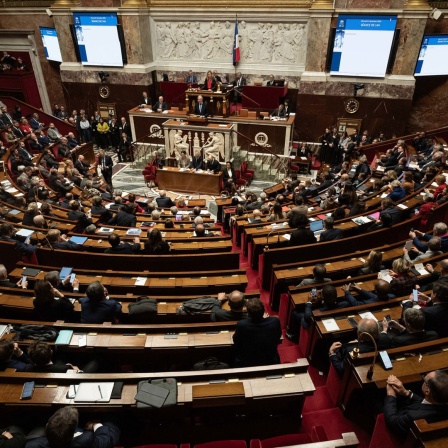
(217, 102)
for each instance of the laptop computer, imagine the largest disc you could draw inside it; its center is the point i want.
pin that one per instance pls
(317, 227)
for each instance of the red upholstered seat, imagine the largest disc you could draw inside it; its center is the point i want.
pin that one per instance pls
(304, 341)
(150, 174)
(239, 181)
(223, 444)
(246, 174)
(315, 164)
(334, 383)
(383, 438)
(285, 440)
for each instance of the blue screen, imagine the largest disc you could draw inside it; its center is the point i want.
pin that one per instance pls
(51, 44)
(433, 56)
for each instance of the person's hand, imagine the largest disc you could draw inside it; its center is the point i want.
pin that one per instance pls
(58, 293)
(75, 368)
(17, 350)
(396, 385)
(412, 235)
(379, 277)
(418, 233)
(392, 273)
(136, 240)
(7, 434)
(385, 324)
(396, 326)
(66, 280)
(75, 283)
(265, 315)
(345, 288)
(335, 346)
(64, 237)
(390, 390)
(222, 297)
(405, 251)
(429, 267)
(414, 249)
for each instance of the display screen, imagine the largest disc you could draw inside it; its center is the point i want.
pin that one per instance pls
(51, 44)
(362, 45)
(433, 56)
(97, 39)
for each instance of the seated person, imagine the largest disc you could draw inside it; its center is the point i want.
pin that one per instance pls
(62, 285)
(160, 105)
(201, 232)
(387, 206)
(279, 112)
(118, 247)
(56, 240)
(236, 305)
(339, 353)
(373, 263)
(434, 246)
(440, 229)
(397, 192)
(256, 339)
(7, 232)
(155, 245)
(323, 300)
(76, 214)
(319, 272)
(403, 280)
(4, 281)
(212, 165)
(302, 235)
(412, 332)
(13, 357)
(164, 201)
(124, 217)
(97, 307)
(402, 407)
(330, 233)
(63, 430)
(50, 304)
(381, 292)
(40, 354)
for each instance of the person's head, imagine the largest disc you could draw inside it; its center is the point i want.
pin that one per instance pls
(43, 290)
(40, 353)
(200, 99)
(209, 74)
(386, 203)
(297, 219)
(169, 223)
(155, 237)
(382, 289)
(440, 228)
(181, 202)
(160, 99)
(440, 291)
(236, 300)
(435, 387)
(435, 244)
(96, 201)
(162, 193)
(145, 95)
(374, 260)
(401, 266)
(368, 326)
(6, 349)
(114, 239)
(74, 205)
(329, 222)
(257, 213)
(198, 220)
(329, 296)
(200, 230)
(338, 214)
(3, 272)
(440, 179)
(255, 309)
(210, 158)
(414, 320)
(197, 211)
(96, 292)
(90, 229)
(61, 427)
(277, 209)
(319, 272)
(155, 214)
(173, 210)
(53, 235)
(6, 229)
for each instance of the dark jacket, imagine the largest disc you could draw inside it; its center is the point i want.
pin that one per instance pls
(302, 236)
(331, 234)
(123, 219)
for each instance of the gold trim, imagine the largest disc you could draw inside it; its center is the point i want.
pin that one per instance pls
(233, 3)
(417, 5)
(65, 4)
(322, 4)
(134, 4)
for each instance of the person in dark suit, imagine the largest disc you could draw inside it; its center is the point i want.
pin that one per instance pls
(196, 161)
(236, 305)
(50, 304)
(330, 233)
(55, 240)
(210, 82)
(146, 101)
(63, 425)
(160, 105)
(201, 107)
(4, 281)
(125, 127)
(97, 308)
(123, 147)
(212, 165)
(76, 214)
(105, 163)
(402, 407)
(123, 218)
(238, 83)
(99, 209)
(82, 166)
(191, 78)
(270, 83)
(164, 201)
(6, 234)
(228, 177)
(387, 206)
(279, 112)
(117, 247)
(301, 235)
(13, 357)
(287, 109)
(40, 354)
(256, 339)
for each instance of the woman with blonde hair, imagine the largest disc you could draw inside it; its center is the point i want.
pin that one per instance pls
(373, 263)
(403, 280)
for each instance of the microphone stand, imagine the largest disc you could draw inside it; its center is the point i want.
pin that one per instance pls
(355, 352)
(266, 248)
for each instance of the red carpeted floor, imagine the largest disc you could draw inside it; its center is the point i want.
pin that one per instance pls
(318, 408)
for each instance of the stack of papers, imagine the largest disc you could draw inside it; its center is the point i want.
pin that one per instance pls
(330, 325)
(94, 392)
(385, 275)
(368, 315)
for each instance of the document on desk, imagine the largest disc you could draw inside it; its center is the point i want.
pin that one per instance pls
(421, 269)
(330, 324)
(287, 236)
(140, 281)
(94, 392)
(384, 273)
(368, 315)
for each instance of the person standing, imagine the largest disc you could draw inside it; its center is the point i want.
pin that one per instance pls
(105, 163)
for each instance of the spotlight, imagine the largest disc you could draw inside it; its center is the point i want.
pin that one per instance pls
(103, 76)
(357, 87)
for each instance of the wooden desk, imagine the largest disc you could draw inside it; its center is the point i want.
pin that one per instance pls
(188, 182)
